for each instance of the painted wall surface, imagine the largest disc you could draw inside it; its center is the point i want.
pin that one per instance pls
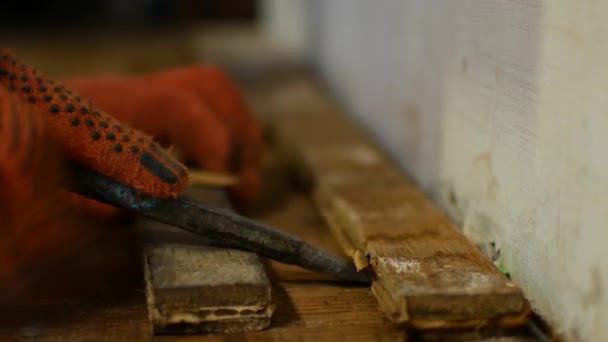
(499, 109)
(286, 22)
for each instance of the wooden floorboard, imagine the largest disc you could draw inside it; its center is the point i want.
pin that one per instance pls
(427, 274)
(193, 287)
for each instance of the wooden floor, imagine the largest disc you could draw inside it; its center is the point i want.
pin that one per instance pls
(309, 306)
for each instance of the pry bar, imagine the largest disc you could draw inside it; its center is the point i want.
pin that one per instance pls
(223, 227)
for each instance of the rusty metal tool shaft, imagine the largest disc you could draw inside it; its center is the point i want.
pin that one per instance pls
(223, 227)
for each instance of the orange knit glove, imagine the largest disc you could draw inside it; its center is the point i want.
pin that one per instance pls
(43, 125)
(199, 109)
(49, 248)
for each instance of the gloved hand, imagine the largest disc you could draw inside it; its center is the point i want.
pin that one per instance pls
(49, 248)
(43, 125)
(198, 109)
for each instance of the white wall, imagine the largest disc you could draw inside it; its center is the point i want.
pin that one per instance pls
(287, 23)
(499, 109)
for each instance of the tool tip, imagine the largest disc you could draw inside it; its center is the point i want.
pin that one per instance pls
(331, 265)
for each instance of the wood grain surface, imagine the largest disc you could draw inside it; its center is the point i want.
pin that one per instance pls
(428, 275)
(193, 287)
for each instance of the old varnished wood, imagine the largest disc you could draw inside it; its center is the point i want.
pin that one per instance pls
(428, 275)
(193, 287)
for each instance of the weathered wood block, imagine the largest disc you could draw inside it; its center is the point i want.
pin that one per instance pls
(194, 287)
(206, 289)
(427, 274)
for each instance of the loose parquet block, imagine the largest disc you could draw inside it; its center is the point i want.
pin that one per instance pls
(194, 287)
